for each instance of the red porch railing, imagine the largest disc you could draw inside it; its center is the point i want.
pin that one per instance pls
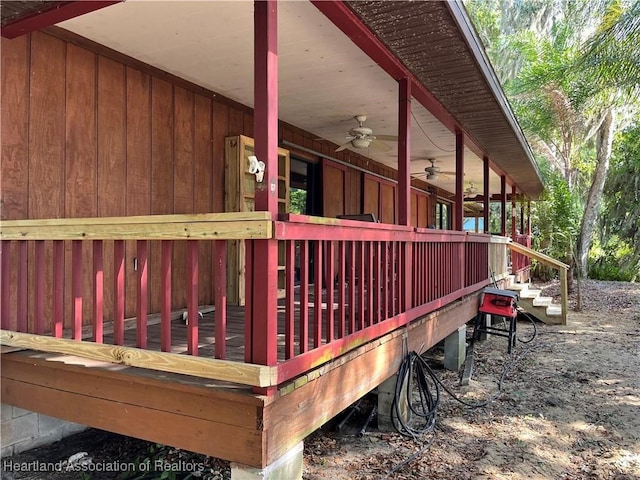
(520, 262)
(345, 283)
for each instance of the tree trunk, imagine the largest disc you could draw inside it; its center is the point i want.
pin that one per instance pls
(590, 218)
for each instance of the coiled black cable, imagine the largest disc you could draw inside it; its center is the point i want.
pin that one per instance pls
(414, 370)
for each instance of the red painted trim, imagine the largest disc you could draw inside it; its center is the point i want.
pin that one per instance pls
(39, 289)
(119, 292)
(98, 291)
(142, 295)
(58, 12)
(165, 295)
(58, 287)
(404, 152)
(21, 311)
(192, 297)
(76, 287)
(6, 283)
(220, 272)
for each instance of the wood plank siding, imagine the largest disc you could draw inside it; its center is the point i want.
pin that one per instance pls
(89, 132)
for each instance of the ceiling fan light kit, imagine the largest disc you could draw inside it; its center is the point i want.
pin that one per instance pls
(362, 137)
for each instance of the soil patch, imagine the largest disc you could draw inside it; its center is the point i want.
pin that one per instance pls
(568, 410)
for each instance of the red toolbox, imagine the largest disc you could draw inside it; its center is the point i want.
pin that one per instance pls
(499, 302)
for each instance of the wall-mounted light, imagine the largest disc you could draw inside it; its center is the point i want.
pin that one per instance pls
(256, 167)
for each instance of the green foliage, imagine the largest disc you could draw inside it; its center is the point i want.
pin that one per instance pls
(555, 219)
(613, 261)
(297, 201)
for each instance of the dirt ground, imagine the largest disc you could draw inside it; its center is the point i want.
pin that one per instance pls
(570, 409)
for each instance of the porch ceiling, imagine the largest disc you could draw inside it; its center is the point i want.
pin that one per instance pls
(324, 79)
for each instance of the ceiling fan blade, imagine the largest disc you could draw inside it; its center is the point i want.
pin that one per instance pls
(343, 147)
(387, 138)
(382, 147)
(448, 173)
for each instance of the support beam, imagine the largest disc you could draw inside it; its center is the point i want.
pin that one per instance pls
(261, 312)
(459, 201)
(528, 218)
(503, 203)
(404, 152)
(486, 194)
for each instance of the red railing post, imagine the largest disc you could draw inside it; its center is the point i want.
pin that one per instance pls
(76, 287)
(290, 316)
(192, 296)
(39, 287)
(141, 295)
(22, 286)
(165, 295)
(58, 287)
(118, 292)
(221, 298)
(5, 291)
(98, 292)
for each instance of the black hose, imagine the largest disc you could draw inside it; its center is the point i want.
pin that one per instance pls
(414, 370)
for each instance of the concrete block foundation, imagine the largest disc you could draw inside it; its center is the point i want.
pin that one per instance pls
(287, 467)
(23, 430)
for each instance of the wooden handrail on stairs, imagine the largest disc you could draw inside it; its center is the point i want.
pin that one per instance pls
(553, 263)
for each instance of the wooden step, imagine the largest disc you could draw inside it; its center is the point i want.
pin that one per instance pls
(540, 312)
(518, 286)
(554, 311)
(542, 301)
(528, 293)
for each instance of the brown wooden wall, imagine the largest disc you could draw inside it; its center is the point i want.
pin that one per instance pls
(86, 132)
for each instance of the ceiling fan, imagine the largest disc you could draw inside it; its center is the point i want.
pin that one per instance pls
(470, 190)
(362, 137)
(434, 172)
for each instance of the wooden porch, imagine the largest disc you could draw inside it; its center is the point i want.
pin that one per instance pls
(388, 287)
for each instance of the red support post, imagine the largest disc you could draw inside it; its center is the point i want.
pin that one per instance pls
(486, 194)
(142, 292)
(264, 304)
(98, 292)
(58, 287)
(459, 203)
(192, 296)
(165, 295)
(513, 211)
(39, 291)
(119, 293)
(529, 217)
(503, 203)
(221, 298)
(404, 152)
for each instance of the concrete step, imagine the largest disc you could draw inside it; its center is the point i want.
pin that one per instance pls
(540, 312)
(542, 301)
(528, 293)
(554, 311)
(518, 286)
